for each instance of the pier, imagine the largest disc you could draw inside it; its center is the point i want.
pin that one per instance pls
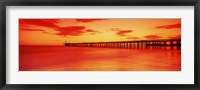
(130, 44)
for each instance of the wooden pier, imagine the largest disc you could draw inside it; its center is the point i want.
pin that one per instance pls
(130, 44)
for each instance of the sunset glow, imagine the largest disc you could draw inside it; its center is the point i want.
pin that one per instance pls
(57, 31)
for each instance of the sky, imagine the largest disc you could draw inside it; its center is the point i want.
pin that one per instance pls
(57, 31)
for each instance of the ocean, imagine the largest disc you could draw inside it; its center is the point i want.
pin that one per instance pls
(62, 58)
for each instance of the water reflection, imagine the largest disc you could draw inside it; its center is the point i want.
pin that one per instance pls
(60, 58)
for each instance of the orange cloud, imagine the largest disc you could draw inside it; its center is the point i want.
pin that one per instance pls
(51, 23)
(152, 37)
(169, 26)
(24, 24)
(123, 32)
(39, 22)
(92, 32)
(24, 28)
(70, 30)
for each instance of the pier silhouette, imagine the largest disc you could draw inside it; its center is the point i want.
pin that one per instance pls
(130, 44)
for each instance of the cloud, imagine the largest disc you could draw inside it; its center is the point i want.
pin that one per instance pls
(152, 37)
(88, 20)
(92, 32)
(175, 37)
(70, 30)
(32, 29)
(39, 22)
(120, 32)
(24, 24)
(131, 37)
(171, 26)
(114, 29)
(123, 32)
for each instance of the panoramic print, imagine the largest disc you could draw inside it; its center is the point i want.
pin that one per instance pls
(100, 44)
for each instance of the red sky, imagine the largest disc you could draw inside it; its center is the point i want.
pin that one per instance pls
(57, 31)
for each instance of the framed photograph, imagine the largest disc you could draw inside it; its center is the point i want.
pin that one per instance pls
(101, 45)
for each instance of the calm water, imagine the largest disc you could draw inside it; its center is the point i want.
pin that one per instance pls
(60, 58)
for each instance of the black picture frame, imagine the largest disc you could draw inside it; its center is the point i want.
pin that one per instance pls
(4, 3)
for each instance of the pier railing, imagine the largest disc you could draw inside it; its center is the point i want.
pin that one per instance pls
(130, 44)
